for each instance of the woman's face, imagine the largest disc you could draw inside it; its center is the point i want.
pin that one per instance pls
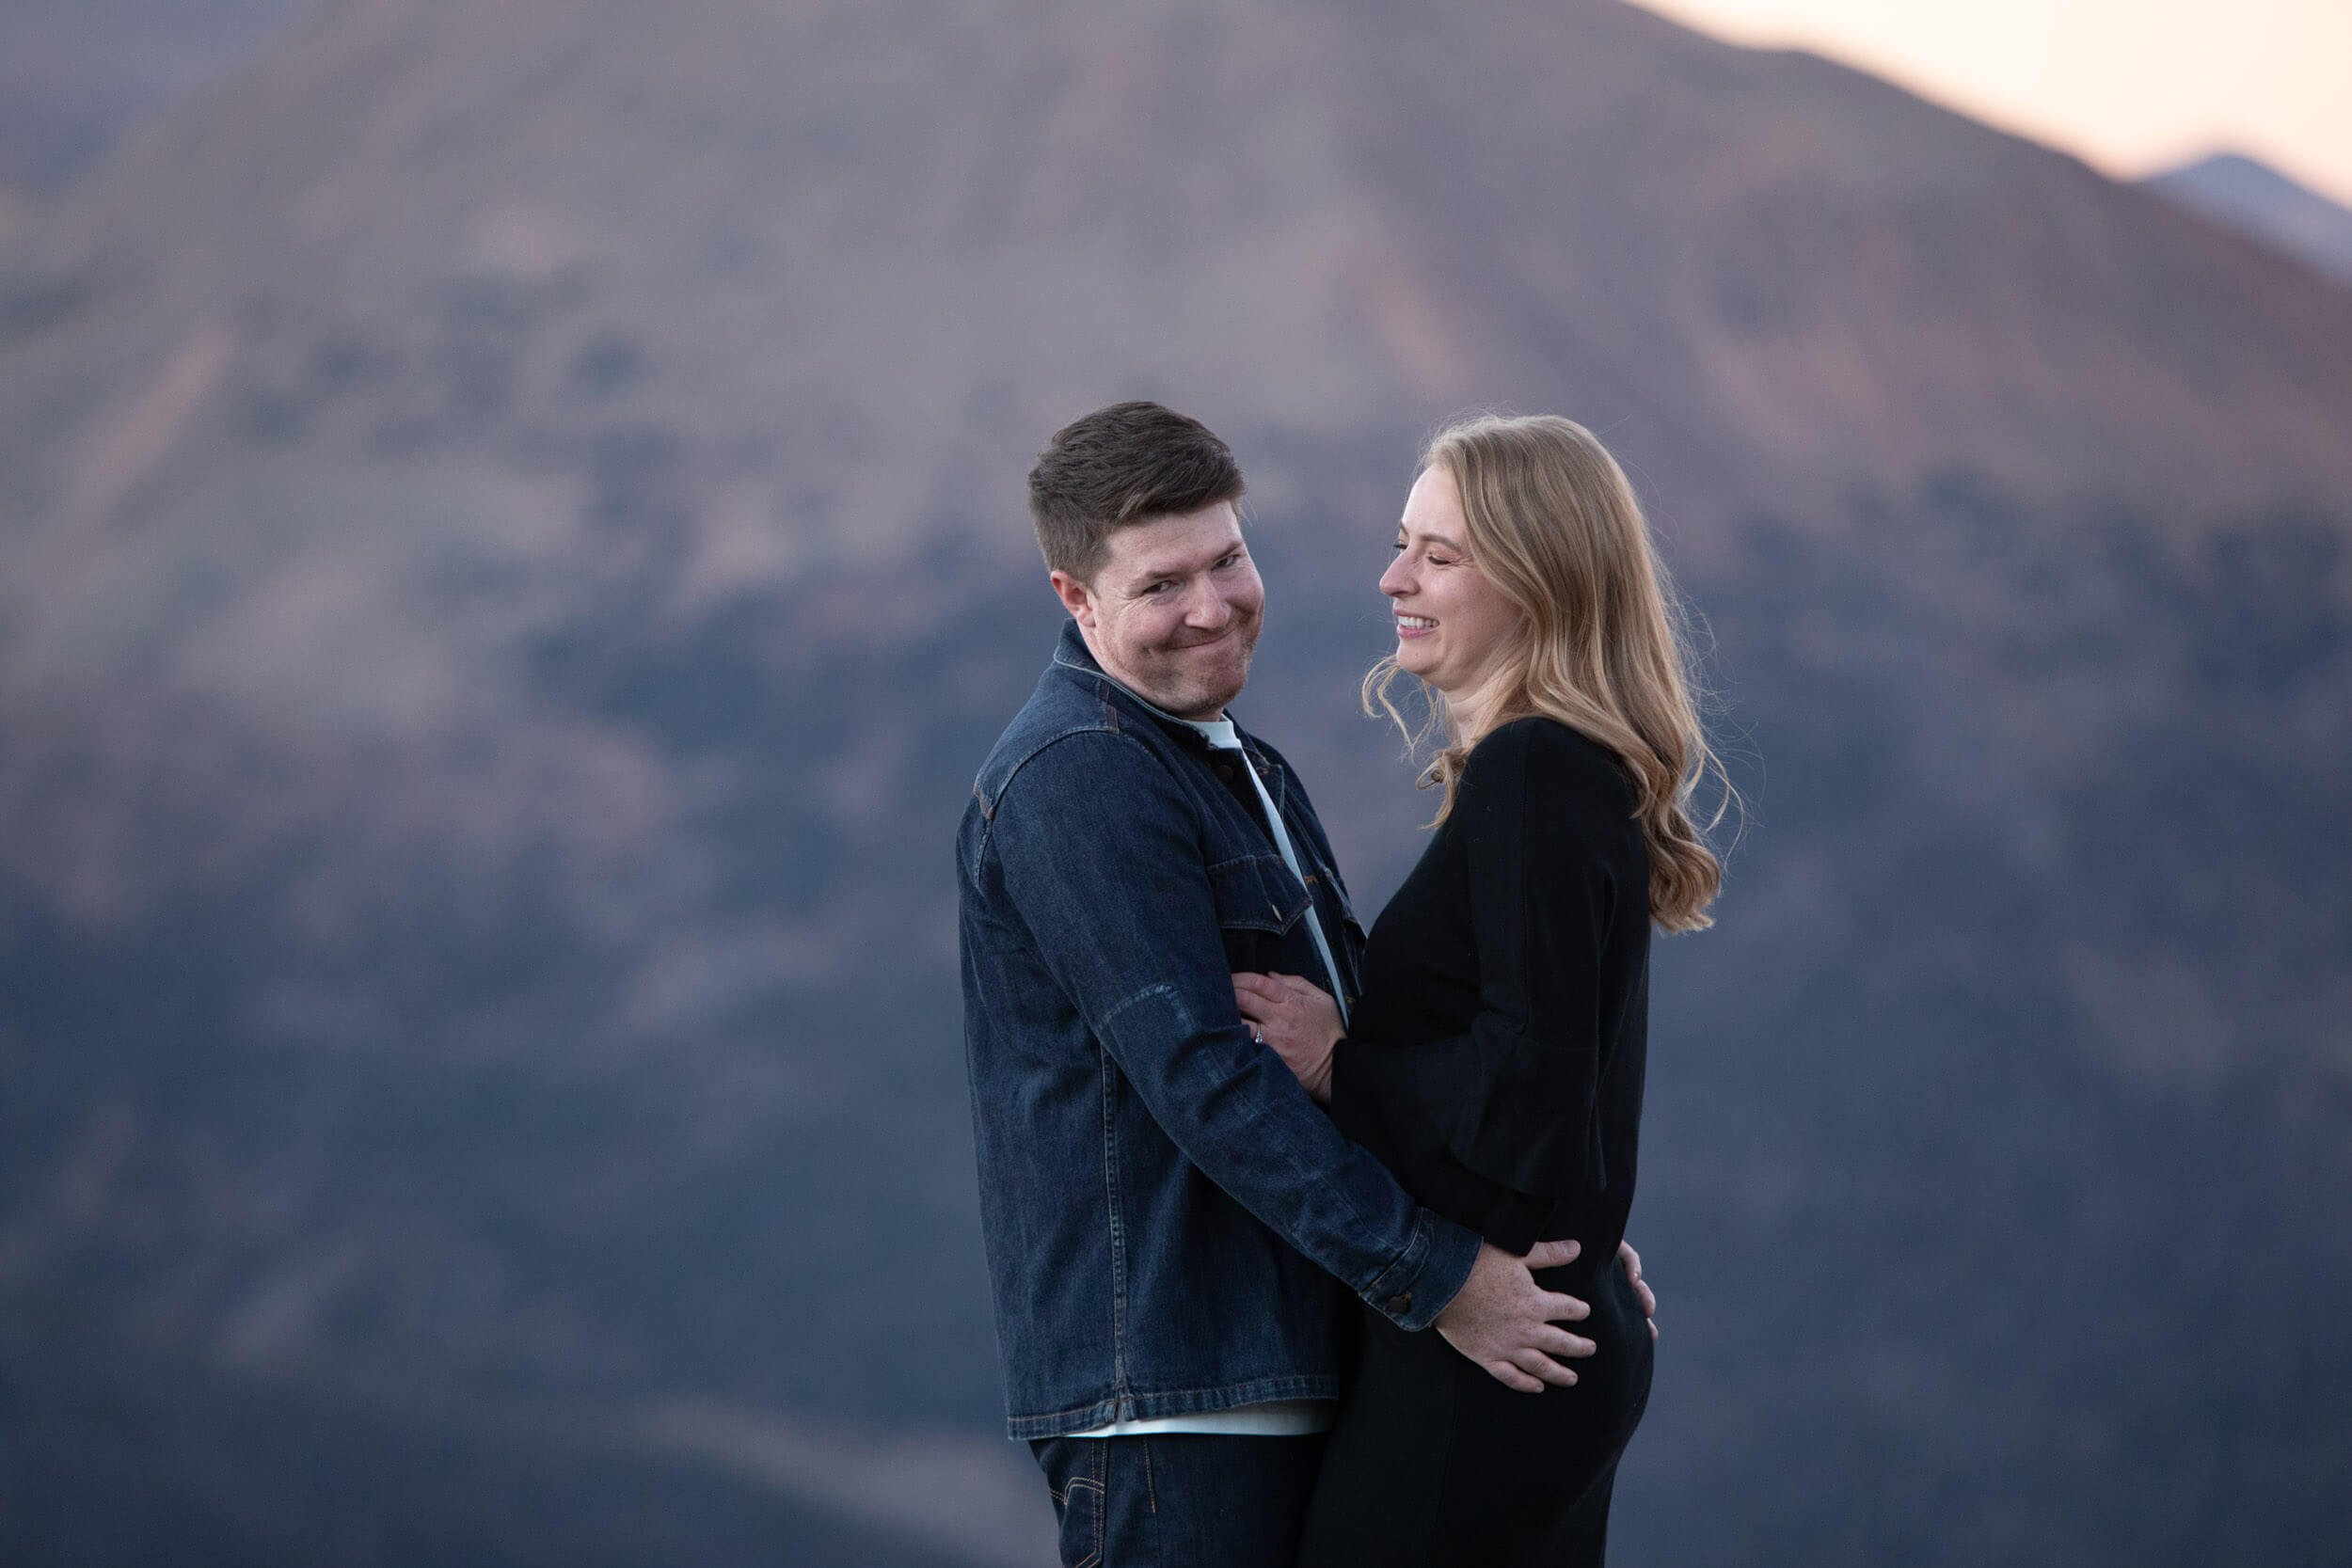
(1452, 626)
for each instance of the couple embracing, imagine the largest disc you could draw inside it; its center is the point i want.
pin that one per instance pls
(1210, 1110)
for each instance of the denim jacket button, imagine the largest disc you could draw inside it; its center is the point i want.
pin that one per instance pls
(1225, 771)
(1401, 1303)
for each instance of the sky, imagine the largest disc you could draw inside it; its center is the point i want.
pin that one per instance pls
(2131, 87)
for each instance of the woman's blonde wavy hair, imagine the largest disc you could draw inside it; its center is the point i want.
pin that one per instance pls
(1554, 526)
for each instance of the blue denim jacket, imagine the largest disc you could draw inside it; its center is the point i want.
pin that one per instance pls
(1166, 1210)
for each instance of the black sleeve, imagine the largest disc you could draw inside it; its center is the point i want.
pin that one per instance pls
(1543, 814)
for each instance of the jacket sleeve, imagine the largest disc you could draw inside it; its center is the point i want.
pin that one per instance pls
(1513, 1097)
(1119, 902)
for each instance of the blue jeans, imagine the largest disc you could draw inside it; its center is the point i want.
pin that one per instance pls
(1191, 1501)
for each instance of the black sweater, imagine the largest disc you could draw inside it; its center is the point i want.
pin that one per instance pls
(1496, 1058)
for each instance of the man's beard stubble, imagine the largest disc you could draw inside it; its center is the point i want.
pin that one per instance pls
(1207, 692)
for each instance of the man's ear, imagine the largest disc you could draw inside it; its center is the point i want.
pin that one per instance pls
(1076, 597)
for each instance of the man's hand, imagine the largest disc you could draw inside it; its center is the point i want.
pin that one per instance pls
(1507, 1324)
(1632, 1261)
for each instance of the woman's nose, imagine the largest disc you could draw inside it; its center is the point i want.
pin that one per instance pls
(1396, 580)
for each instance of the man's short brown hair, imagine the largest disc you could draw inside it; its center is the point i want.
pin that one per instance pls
(1125, 464)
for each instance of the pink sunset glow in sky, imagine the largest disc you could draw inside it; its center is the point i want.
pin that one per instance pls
(2131, 87)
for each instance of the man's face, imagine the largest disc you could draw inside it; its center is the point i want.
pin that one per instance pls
(1173, 610)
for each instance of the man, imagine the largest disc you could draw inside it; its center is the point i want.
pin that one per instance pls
(1168, 1216)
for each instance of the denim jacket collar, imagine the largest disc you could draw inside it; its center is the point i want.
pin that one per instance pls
(1072, 655)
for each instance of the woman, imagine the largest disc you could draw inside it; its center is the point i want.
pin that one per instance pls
(1495, 1060)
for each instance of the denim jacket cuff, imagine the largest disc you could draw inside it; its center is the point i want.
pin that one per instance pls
(1426, 1275)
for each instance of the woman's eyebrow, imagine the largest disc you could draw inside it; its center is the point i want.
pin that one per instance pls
(1433, 539)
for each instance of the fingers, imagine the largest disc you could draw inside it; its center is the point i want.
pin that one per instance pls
(1558, 1308)
(1559, 1341)
(1510, 1377)
(1257, 1000)
(1550, 1255)
(1537, 1365)
(1632, 1261)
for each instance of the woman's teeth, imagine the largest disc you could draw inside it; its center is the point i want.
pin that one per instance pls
(1418, 622)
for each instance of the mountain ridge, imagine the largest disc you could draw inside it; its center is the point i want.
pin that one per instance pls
(2265, 205)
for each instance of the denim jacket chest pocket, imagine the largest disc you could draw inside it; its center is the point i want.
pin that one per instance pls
(1347, 913)
(1349, 938)
(1258, 905)
(1319, 867)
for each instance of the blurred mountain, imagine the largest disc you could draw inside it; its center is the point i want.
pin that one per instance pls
(2264, 204)
(511, 548)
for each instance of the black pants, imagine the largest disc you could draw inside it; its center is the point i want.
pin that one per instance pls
(1191, 1501)
(1434, 1464)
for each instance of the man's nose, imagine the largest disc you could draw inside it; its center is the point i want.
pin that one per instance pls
(1209, 609)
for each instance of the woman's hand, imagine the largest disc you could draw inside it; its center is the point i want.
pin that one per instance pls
(1632, 1261)
(1298, 1019)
